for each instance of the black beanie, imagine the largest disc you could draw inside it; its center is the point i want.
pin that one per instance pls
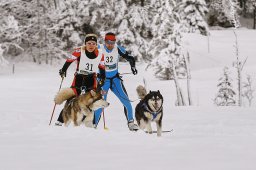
(90, 37)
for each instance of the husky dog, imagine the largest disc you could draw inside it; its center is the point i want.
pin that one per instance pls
(149, 109)
(80, 108)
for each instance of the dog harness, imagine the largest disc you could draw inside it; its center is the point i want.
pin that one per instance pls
(154, 114)
(111, 79)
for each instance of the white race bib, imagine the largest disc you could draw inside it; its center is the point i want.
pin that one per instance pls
(111, 59)
(89, 65)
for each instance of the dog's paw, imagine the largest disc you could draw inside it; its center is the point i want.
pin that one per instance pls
(149, 132)
(89, 124)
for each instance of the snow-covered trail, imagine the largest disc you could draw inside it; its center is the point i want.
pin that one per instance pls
(203, 137)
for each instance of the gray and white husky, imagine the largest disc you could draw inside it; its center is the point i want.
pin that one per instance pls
(149, 109)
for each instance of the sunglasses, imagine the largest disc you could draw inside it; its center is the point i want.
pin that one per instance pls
(110, 42)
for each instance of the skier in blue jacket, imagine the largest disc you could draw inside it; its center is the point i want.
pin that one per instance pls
(113, 81)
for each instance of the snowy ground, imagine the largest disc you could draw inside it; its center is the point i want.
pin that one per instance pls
(203, 137)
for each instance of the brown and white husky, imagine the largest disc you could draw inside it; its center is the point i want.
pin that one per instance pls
(80, 109)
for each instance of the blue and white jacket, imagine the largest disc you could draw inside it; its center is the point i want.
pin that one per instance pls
(111, 59)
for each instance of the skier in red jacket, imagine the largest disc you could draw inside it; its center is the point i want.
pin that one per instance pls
(90, 66)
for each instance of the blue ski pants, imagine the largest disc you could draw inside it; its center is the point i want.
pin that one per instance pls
(117, 87)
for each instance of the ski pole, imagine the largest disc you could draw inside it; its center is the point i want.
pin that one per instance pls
(104, 121)
(62, 78)
(124, 73)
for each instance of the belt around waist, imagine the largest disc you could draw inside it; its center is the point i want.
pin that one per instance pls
(83, 72)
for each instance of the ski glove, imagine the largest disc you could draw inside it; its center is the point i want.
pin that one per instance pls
(101, 82)
(134, 70)
(62, 73)
(102, 78)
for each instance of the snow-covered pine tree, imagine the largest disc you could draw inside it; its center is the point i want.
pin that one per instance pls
(99, 16)
(192, 13)
(36, 30)
(11, 29)
(216, 15)
(248, 90)
(125, 36)
(53, 46)
(165, 47)
(69, 20)
(222, 12)
(231, 8)
(251, 8)
(45, 45)
(77, 18)
(134, 30)
(225, 95)
(102, 14)
(41, 46)
(10, 33)
(250, 5)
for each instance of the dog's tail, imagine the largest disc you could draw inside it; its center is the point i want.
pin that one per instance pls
(141, 91)
(63, 95)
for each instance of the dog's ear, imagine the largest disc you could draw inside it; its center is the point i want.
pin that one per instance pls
(158, 91)
(93, 93)
(150, 91)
